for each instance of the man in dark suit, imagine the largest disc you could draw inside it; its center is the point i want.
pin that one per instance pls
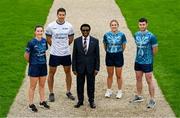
(85, 63)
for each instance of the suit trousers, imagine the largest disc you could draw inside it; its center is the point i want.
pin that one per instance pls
(90, 78)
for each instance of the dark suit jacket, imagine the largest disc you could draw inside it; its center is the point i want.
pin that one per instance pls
(81, 61)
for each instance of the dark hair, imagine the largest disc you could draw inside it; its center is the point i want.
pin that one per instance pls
(85, 25)
(38, 26)
(143, 20)
(61, 10)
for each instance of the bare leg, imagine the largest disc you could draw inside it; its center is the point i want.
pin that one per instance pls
(150, 84)
(52, 71)
(67, 70)
(32, 87)
(119, 77)
(42, 81)
(110, 70)
(139, 75)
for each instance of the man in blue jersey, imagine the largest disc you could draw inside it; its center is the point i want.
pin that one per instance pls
(147, 47)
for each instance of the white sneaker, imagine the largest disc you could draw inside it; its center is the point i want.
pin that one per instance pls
(119, 94)
(108, 93)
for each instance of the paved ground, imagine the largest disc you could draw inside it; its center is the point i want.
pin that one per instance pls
(97, 13)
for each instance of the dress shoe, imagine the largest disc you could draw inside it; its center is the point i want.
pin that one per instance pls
(92, 105)
(78, 105)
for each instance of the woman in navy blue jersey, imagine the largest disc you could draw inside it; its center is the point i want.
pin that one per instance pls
(35, 54)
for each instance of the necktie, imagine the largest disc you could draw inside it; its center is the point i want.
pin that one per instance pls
(85, 46)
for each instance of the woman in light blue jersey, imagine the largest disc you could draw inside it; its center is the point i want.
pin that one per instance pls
(114, 45)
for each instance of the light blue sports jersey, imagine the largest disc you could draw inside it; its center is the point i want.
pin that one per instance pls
(37, 50)
(114, 41)
(145, 41)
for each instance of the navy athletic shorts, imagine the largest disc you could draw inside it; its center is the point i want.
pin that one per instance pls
(146, 68)
(114, 59)
(55, 61)
(37, 70)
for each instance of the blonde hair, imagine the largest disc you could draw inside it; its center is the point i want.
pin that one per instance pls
(114, 20)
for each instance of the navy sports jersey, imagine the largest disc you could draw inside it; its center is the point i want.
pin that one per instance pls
(114, 41)
(37, 51)
(145, 41)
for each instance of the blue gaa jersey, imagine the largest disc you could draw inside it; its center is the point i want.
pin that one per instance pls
(37, 51)
(145, 41)
(114, 41)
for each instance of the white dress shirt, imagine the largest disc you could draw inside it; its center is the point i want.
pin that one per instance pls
(87, 41)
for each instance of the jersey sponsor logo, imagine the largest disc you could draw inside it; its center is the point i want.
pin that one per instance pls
(65, 28)
(40, 54)
(35, 46)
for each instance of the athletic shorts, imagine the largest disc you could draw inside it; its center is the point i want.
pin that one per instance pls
(37, 70)
(55, 61)
(146, 68)
(114, 59)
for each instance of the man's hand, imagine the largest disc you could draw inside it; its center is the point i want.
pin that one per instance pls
(71, 38)
(155, 50)
(95, 72)
(74, 72)
(49, 40)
